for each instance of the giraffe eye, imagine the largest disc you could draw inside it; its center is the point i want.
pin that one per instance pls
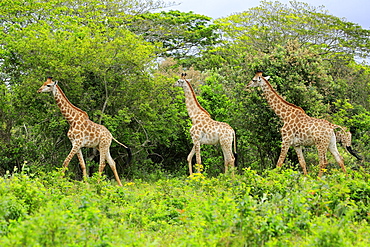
(48, 85)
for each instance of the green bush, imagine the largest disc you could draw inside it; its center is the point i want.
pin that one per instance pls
(276, 208)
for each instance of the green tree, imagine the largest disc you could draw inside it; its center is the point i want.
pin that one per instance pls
(310, 56)
(102, 67)
(180, 35)
(274, 23)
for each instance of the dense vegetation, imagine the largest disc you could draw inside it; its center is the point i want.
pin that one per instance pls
(277, 208)
(118, 61)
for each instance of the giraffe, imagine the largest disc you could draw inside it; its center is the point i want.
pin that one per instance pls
(300, 130)
(205, 130)
(83, 132)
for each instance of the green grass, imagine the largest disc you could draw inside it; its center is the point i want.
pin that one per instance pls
(277, 208)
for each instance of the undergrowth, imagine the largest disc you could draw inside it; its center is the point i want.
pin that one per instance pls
(277, 208)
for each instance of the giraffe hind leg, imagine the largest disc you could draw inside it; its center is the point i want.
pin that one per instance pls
(333, 149)
(229, 158)
(112, 165)
(82, 163)
(301, 159)
(323, 160)
(102, 161)
(105, 156)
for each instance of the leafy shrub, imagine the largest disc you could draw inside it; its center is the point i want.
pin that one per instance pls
(276, 208)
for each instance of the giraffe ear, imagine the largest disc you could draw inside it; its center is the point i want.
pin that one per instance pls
(55, 83)
(267, 77)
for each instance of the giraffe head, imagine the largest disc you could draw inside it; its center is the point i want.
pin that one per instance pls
(182, 81)
(257, 80)
(48, 86)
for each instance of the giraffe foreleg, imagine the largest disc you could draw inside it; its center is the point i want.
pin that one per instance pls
(301, 159)
(75, 149)
(284, 150)
(190, 157)
(197, 155)
(286, 142)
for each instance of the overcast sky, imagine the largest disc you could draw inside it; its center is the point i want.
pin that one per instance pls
(356, 11)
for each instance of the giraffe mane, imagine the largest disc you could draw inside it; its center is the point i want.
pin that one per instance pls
(195, 98)
(281, 98)
(67, 100)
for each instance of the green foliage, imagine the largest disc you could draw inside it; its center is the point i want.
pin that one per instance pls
(274, 23)
(180, 35)
(310, 61)
(103, 69)
(277, 208)
(105, 56)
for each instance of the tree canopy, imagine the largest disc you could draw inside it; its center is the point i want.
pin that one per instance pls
(274, 23)
(118, 60)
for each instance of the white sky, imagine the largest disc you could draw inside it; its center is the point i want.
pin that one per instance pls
(356, 11)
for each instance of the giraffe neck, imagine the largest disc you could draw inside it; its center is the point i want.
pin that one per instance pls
(195, 111)
(70, 112)
(281, 107)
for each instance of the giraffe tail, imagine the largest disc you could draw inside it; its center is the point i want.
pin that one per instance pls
(345, 137)
(353, 152)
(127, 149)
(235, 154)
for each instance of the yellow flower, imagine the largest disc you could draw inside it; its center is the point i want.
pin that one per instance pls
(129, 183)
(199, 167)
(197, 176)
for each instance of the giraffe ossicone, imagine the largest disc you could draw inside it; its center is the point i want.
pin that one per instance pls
(205, 130)
(300, 130)
(83, 132)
